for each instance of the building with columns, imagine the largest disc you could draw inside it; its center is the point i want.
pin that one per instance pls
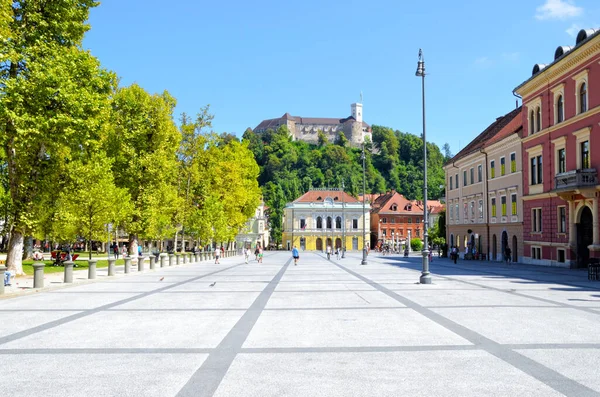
(256, 230)
(325, 217)
(561, 155)
(483, 191)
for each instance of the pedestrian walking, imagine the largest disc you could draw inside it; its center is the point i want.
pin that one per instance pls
(256, 253)
(328, 252)
(295, 255)
(124, 251)
(507, 253)
(337, 253)
(217, 256)
(246, 253)
(260, 255)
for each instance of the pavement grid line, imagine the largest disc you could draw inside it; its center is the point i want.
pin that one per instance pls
(206, 380)
(549, 377)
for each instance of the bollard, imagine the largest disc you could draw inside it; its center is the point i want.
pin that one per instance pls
(163, 259)
(196, 256)
(92, 269)
(177, 259)
(141, 263)
(2, 271)
(111, 267)
(127, 264)
(68, 271)
(184, 258)
(38, 275)
(189, 256)
(152, 262)
(171, 259)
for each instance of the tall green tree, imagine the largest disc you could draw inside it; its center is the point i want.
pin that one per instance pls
(143, 142)
(53, 106)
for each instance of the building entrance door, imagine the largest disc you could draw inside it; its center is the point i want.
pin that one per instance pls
(302, 243)
(319, 244)
(354, 243)
(338, 243)
(504, 244)
(585, 230)
(494, 248)
(515, 257)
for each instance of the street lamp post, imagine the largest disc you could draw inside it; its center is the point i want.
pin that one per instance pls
(425, 275)
(364, 257)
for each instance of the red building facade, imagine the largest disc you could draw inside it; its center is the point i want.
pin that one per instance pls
(561, 156)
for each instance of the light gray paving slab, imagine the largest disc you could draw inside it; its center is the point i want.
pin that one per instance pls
(98, 375)
(308, 287)
(581, 365)
(333, 299)
(220, 286)
(433, 297)
(569, 296)
(415, 374)
(356, 327)
(119, 329)
(16, 321)
(527, 325)
(181, 300)
(113, 287)
(69, 301)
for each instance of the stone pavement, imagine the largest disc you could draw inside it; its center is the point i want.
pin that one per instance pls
(317, 329)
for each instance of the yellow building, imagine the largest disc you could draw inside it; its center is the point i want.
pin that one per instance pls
(326, 217)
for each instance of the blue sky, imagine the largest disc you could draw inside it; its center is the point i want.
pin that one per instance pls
(253, 60)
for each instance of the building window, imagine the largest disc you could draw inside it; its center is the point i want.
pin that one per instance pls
(465, 178)
(465, 211)
(503, 202)
(472, 209)
(502, 166)
(384, 220)
(354, 223)
(417, 232)
(513, 203)
(329, 223)
(493, 169)
(392, 220)
(585, 154)
(409, 219)
(401, 232)
(472, 171)
(538, 119)
(536, 220)
(479, 173)
(451, 212)
(582, 98)
(338, 222)
(456, 180)
(450, 183)
(536, 252)
(536, 170)
(561, 160)
(513, 162)
(561, 255)
(562, 219)
(531, 123)
(456, 212)
(494, 207)
(319, 223)
(560, 112)
(480, 208)
(302, 224)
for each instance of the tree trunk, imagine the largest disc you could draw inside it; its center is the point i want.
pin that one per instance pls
(175, 243)
(28, 249)
(14, 257)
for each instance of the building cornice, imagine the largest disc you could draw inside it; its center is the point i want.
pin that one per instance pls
(575, 58)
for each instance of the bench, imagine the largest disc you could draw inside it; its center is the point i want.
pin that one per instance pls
(594, 269)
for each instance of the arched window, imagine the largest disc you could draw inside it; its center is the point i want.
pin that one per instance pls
(582, 98)
(319, 223)
(338, 222)
(531, 122)
(329, 222)
(538, 119)
(560, 116)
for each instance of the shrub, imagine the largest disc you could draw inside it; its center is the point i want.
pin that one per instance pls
(416, 244)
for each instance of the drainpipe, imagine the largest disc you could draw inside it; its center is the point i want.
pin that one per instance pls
(485, 200)
(459, 195)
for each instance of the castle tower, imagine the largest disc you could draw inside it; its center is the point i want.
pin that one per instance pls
(357, 111)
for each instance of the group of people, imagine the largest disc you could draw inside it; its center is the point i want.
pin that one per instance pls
(258, 253)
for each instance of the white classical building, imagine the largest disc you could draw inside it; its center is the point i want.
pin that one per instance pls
(256, 230)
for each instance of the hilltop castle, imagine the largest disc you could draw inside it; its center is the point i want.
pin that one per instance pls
(307, 128)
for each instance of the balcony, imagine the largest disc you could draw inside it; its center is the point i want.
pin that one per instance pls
(576, 179)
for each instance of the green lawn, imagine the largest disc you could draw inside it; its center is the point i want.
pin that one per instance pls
(81, 264)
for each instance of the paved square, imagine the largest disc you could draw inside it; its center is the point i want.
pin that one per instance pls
(322, 328)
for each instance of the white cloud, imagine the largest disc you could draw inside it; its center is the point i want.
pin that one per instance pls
(558, 9)
(483, 61)
(573, 30)
(511, 56)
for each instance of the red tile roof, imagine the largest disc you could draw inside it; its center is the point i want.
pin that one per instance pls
(318, 196)
(499, 129)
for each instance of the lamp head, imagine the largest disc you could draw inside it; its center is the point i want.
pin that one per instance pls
(420, 65)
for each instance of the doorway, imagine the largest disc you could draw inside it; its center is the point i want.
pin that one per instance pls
(355, 243)
(319, 244)
(504, 244)
(515, 257)
(338, 243)
(494, 248)
(585, 230)
(302, 243)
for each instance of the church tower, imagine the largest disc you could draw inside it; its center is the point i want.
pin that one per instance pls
(357, 109)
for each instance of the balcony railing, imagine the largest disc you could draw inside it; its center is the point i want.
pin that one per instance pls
(576, 179)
